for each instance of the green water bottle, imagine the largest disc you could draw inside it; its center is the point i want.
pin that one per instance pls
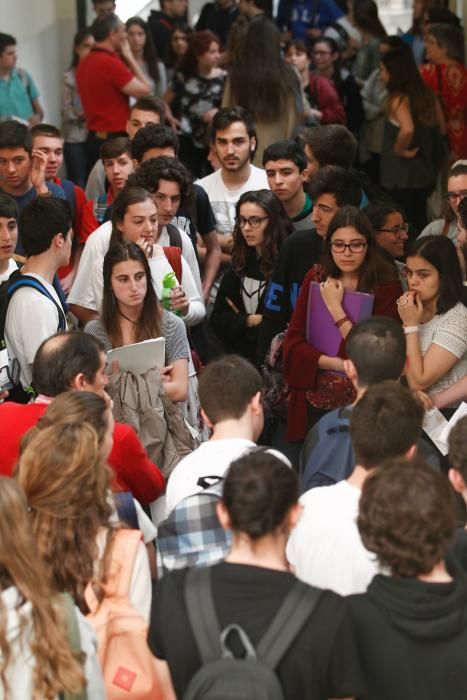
(169, 282)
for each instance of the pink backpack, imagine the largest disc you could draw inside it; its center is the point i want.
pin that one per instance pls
(127, 663)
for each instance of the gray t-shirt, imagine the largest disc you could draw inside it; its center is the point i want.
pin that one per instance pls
(173, 330)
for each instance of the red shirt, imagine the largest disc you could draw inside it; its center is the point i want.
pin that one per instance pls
(100, 77)
(89, 222)
(133, 469)
(80, 203)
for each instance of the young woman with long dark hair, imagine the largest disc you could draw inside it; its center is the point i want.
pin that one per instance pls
(144, 51)
(261, 227)
(132, 313)
(413, 127)
(367, 21)
(434, 316)
(351, 261)
(195, 96)
(260, 81)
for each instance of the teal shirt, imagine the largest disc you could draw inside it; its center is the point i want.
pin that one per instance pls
(17, 94)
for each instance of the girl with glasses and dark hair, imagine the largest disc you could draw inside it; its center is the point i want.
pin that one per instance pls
(260, 229)
(351, 261)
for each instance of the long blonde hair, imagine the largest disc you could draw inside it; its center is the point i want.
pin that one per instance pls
(57, 668)
(67, 486)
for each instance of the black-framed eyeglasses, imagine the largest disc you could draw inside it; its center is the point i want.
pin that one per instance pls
(456, 196)
(354, 247)
(253, 221)
(400, 228)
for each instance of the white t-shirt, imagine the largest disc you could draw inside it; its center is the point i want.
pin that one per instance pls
(224, 199)
(12, 266)
(325, 547)
(87, 287)
(30, 319)
(449, 331)
(212, 458)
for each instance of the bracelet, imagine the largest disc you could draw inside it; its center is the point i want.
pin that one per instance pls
(410, 329)
(341, 321)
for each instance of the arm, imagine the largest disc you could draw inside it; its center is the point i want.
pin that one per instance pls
(175, 378)
(165, 680)
(212, 261)
(196, 309)
(38, 112)
(138, 86)
(451, 396)
(401, 113)
(425, 370)
(229, 319)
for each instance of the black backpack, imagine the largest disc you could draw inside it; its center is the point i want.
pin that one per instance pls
(253, 676)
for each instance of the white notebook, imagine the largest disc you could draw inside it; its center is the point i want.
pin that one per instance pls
(139, 357)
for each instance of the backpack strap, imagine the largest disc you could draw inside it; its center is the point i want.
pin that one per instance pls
(175, 237)
(100, 208)
(291, 617)
(174, 257)
(202, 614)
(26, 281)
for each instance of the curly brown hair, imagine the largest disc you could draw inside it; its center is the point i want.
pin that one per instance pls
(67, 487)
(57, 668)
(406, 516)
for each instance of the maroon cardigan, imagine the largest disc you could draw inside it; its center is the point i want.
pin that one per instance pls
(300, 359)
(327, 99)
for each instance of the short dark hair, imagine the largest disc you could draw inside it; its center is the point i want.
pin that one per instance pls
(150, 103)
(343, 184)
(13, 134)
(153, 136)
(406, 516)
(60, 359)
(332, 144)
(441, 252)
(227, 386)
(259, 491)
(450, 38)
(229, 115)
(46, 130)
(462, 212)
(104, 25)
(457, 442)
(150, 173)
(6, 40)
(8, 208)
(286, 150)
(378, 348)
(40, 221)
(114, 148)
(385, 423)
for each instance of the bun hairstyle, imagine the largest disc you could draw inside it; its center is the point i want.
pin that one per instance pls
(259, 491)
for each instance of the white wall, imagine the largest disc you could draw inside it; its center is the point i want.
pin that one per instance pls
(44, 31)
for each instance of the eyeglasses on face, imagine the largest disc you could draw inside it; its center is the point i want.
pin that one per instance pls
(456, 196)
(400, 228)
(253, 221)
(321, 53)
(354, 247)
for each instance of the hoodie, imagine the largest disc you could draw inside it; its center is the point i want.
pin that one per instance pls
(412, 638)
(19, 631)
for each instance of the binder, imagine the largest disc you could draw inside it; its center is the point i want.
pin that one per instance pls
(321, 331)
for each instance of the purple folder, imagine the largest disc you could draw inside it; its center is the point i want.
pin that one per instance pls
(321, 331)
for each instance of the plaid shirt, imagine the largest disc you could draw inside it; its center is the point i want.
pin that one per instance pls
(192, 534)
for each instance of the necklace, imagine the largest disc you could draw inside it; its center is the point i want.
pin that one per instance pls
(135, 323)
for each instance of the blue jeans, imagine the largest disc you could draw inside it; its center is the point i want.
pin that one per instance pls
(76, 163)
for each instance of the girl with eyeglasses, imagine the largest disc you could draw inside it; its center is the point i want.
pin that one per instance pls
(261, 227)
(351, 261)
(391, 231)
(456, 191)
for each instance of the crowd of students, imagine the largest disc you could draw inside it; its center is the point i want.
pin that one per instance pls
(262, 509)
